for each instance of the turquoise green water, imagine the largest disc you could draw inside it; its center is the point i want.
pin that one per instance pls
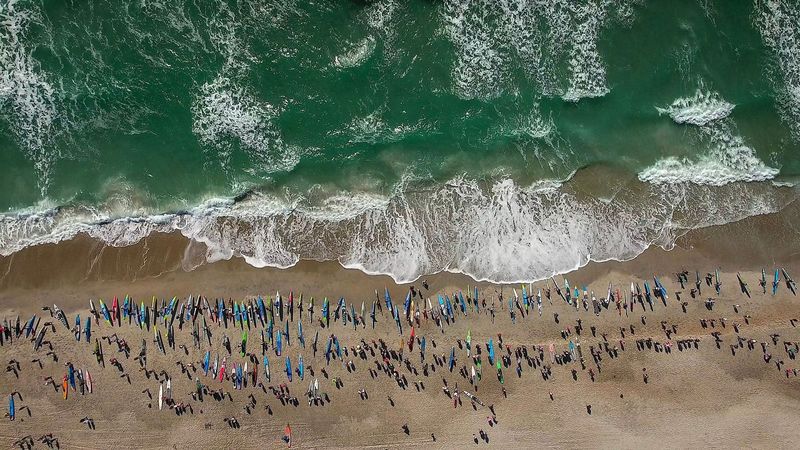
(363, 121)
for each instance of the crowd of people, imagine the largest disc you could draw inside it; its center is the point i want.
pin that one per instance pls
(275, 348)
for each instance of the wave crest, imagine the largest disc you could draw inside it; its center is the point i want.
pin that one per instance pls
(727, 160)
(701, 109)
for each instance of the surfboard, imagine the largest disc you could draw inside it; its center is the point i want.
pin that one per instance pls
(301, 367)
(160, 397)
(115, 311)
(775, 282)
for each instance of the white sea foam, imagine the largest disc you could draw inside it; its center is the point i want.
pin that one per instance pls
(784, 183)
(480, 65)
(381, 17)
(373, 129)
(378, 17)
(27, 99)
(701, 109)
(493, 38)
(379, 14)
(356, 55)
(226, 114)
(345, 206)
(495, 230)
(588, 74)
(728, 159)
(737, 164)
(778, 21)
(532, 125)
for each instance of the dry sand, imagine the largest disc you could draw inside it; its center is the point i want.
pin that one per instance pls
(698, 397)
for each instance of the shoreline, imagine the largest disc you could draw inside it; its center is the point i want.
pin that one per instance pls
(498, 229)
(85, 261)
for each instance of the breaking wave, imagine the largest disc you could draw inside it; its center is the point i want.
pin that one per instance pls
(702, 109)
(727, 160)
(494, 230)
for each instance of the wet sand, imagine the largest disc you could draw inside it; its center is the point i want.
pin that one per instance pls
(705, 396)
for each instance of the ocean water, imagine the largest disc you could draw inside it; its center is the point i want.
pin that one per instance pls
(506, 139)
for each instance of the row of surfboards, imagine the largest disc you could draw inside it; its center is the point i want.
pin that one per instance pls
(240, 373)
(78, 380)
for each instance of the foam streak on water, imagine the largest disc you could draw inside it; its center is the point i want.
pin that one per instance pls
(778, 22)
(493, 38)
(27, 99)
